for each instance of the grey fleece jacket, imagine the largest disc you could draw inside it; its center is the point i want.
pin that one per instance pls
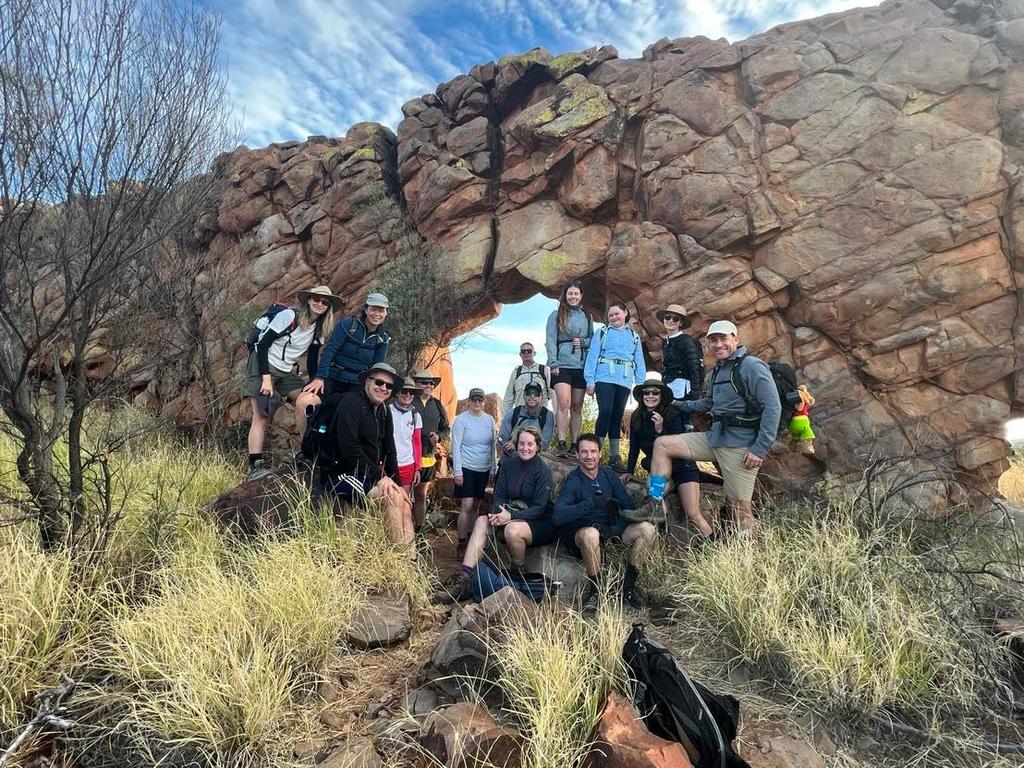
(558, 344)
(722, 398)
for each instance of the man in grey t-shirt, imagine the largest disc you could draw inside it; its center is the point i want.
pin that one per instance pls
(740, 434)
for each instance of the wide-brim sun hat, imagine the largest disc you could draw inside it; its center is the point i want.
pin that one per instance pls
(424, 375)
(675, 309)
(381, 368)
(408, 383)
(666, 393)
(323, 292)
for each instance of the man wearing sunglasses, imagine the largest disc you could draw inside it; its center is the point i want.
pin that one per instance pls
(587, 513)
(365, 462)
(528, 372)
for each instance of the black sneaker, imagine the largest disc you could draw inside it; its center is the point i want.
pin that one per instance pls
(632, 598)
(561, 450)
(454, 589)
(258, 469)
(615, 465)
(590, 603)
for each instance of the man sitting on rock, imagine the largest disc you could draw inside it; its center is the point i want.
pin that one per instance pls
(530, 414)
(587, 513)
(521, 508)
(744, 404)
(363, 461)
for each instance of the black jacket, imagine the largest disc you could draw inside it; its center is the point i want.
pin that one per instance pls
(682, 358)
(435, 419)
(524, 481)
(642, 435)
(364, 446)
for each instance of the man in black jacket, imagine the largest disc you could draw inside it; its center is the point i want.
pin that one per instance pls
(364, 461)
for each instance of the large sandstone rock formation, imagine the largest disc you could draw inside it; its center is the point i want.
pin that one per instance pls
(847, 189)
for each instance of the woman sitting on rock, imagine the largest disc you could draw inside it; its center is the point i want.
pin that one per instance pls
(615, 363)
(521, 507)
(274, 369)
(653, 418)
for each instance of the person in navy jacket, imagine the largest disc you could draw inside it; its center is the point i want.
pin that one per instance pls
(357, 343)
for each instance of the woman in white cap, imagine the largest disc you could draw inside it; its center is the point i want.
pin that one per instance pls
(280, 338)
(357, 343)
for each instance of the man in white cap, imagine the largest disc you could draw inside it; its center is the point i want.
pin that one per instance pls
(745, 409)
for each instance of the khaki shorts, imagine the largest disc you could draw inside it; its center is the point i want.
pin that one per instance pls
(739, 481)
(283, 383)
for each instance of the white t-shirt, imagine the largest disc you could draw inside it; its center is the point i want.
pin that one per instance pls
(284, 352)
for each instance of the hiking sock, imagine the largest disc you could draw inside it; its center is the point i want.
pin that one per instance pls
(254, 457)
(629, 579)
(466, 569)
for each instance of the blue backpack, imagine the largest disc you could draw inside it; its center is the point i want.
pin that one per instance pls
(486, 581)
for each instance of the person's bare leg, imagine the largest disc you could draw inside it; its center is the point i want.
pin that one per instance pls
(563, 396)
(518, 537)
(477, 542)
(419, 504)
(576, 418)
(689, 498)
(467, 517)
(397, 512)
(588, 541)
(257, 429)
(743, 514)
(301, 400)
(638, 537)
(666, 448)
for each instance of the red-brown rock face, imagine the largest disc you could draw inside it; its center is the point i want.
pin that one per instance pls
(847, 189)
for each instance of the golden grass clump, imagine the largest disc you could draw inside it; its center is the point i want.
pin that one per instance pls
(214, 661)
(1011, 484)
(845, 618)
(556, 671)
(45, 615)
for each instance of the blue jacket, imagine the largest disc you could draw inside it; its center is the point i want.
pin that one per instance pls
(351, 350)
(575, 504)
(616, 356)
(558, 343)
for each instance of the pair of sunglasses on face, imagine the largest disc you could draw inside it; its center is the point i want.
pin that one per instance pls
(388, 385)
(671, 319)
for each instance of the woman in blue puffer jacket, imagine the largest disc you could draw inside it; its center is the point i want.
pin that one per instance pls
(615, 364)
(356, 344)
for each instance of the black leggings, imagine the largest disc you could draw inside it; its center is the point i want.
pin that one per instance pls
(611, 404)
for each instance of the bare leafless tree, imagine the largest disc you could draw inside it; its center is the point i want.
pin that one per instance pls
(107, 108)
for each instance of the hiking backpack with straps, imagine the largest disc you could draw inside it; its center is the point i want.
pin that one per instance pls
(517, 416)
(540, 371)
(262, 324)
(600, 349)
(677, 708)
(784, 376)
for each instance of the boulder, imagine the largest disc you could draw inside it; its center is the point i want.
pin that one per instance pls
(383, 621)
(355, 752)
(621, 740)
(467, 734)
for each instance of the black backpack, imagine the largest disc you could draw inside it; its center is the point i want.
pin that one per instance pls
(262, 323)
(318, 444)
(784, 376)
(679, 709)
(517, 416)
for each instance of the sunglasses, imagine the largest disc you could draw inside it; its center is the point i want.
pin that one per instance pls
(525, 351)
(410, 392)
(647, 392)
(671, 319)
(314, 300)
(476, 399)
(388, 385)
(425, 383)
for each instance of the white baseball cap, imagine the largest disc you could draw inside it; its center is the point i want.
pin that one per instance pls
(723, 327)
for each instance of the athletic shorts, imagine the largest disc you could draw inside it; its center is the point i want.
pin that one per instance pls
(739, 481)
(542, 531)
(283, 383)
(427, 474)
(571, 376)
(567, 534)
(474, 483)
(345, 487)
(406, 474)
(683, 470)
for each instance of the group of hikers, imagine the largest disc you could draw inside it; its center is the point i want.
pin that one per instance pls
(373, 433)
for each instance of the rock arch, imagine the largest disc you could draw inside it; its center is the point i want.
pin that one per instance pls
(847, 189)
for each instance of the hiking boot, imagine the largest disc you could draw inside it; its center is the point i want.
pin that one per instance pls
(632, 598)
(258, 469)
(561, 450)
(590, 604)
(454, 589)
(615, 465)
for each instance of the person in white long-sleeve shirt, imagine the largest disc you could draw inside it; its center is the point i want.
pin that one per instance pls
(473, 461)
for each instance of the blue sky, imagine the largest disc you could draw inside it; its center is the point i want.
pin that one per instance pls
(304, 67)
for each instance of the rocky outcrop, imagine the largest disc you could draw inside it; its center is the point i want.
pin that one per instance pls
(847, 189)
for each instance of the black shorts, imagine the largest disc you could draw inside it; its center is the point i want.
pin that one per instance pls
(474, 483)
(427, 474)
(345, 487)
(542, 531)
(683, 470)
(571, 376)
(567, 534)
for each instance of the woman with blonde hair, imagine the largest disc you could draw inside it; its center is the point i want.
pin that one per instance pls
(280, 339)
(569, 331)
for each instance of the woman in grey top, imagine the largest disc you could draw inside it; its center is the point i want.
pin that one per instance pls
(568, 338)
(473, 461)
